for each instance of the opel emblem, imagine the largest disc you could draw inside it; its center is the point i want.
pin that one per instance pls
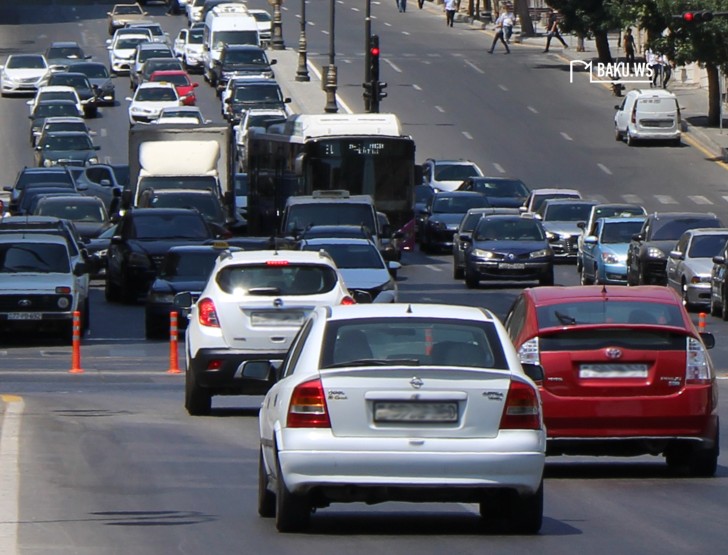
(278, 303)
(511, 256)
(613, 353)
(416, 383)
(24, 303)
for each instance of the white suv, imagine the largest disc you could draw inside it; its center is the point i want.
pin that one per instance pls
(251, 307)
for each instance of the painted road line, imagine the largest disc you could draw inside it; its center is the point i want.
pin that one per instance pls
(440, 109)
(532, 109)
(498, 167)
(467, 135)
(565, 136)
(665, 199)
(392, 65)
(476, 68)
(433, 268)
(700, 199)
(417, 87)
(686, 138)
(604, 168)
(503, 88)
(10, 475)
(633, 199)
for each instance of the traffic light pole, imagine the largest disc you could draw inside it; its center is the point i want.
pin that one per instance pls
(367, 41)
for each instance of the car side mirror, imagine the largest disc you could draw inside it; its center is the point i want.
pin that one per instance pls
(716, 259)
(273, 62)
(183, 300)
(286, 100)
(80, 269)
(533, 371)
(259, 370)
(465, 237)
(638, 237)
(708, 339)
(616, 106)
(97, 147)
(581, 225)
(677, 255)
(590, 240)
(8, 188)
(522, 209)
(393, 266)
(361, 297)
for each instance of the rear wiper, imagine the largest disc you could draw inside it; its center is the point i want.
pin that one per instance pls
(377, 362)
(264, 291)
(565, 318)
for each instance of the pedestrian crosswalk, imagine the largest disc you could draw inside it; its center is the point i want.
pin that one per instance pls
(670, 202)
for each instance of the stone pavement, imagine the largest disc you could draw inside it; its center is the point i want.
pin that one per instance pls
(309, 97)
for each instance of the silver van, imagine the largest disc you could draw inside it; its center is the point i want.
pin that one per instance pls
(651, 114)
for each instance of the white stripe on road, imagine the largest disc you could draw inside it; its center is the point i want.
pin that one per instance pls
(417, 87)
(10, 475)
(665, 199)
(604, 168)
(467, 135)
(433, 268)
(103, 132)
(503, 88)
(565, 136)
(632, 199)
(406, 33)
(476, 68)
(392, 65)
(532, 109)
(312, 68)
(700, 199)
(440, 109)
(498, 167)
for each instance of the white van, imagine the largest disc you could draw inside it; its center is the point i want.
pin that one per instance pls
(648, 114)
(226, 24)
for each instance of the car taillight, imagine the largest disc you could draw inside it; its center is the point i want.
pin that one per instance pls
(528, 353)
(348, 300)
(522, 410)
(634, 113)
(206, 313)
(308, 406)
(697, 368)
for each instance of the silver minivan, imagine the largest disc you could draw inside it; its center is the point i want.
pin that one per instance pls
(648, 114)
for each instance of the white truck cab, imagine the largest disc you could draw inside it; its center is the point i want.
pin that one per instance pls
(226, 24)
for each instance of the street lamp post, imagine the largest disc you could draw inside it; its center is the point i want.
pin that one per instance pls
(302, 71)
(331, 78)
(277, 31)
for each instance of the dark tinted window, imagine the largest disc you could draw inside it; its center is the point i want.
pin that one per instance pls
(169, 226)
(251, 56)
(303, 216)
(621, 232)
(30, 61)
(181, 266)
(707, 246)
(566, 212)
(454, 172)
(275, 279)
(583, 340)
(79, 212)
(517, 229)
(207, 205)
(458, 204)
(502, 188)
(609, 312)
(34, 257)
(663, 230)
(470, 221)
(351, 256)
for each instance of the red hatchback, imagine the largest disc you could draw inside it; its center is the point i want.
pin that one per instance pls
(625, 372)
(181, 81)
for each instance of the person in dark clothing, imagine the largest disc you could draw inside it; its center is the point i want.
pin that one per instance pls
(552, 28)
(628, 43)
(420, 3)
(173, 7)
(499, 34)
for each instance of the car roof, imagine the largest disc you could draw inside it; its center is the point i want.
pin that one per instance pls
(156, 85)
(60, 101)
(655, 93)
(549, 190)
(77, 199)
(707, 231)
(168, 71)
(459, 161)
(458, 194)
(63, 44)
(219, 248)
(627, 219)
(494, 211)
(243, 47)
(339, 241)
(308, 199)
(676, 215)
(21, 237)
(68, 134)
(55, 88)
(178, 109)
(407, 310)
(64, 119)
(148, 212)
(569, 201)
(650, 293)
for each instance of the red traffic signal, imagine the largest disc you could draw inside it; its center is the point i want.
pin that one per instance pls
(697, 17)
(374, 51)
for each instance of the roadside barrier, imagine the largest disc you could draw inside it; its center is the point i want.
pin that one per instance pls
(173, 336)
(76, 345)
(701, 321)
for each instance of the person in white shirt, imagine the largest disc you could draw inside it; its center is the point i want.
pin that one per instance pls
(509, 21)
(499, 34)
(451, 7)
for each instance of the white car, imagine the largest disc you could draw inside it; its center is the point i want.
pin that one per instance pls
(55, 92)
(23, 73)
(401, 402)
(362, 266)
(186, 115)
(150, 99)
(193, 10)
(537, 197)
(188, 47)
(62, 123)
(448, 175)
(252, 306)
(652, 114)
(122, 49)
(265, 24)
(155, 29)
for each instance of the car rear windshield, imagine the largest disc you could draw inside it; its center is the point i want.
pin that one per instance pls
(185, 266)
(609, 311)
(81, 212)
(587, 340)
(251, 56)
(49, 176)
(454, 172)
(665, 105)
(667, 230)
(502, 188)
(277, 279)
(566, 212)
(458, 204)
(412, 341)
(170, 226)
(707, 246)
(303, 216)
(351, 256)
(34, 257)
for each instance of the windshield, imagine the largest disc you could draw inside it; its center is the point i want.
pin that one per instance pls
(264, 121)
(70, 52)
(248, 56)
(495, 229)
(68, 142)
(221, 38)
(351, 256)
(455, 172)
(65, 126)
(195, 37)
(277, 279)
(502, 188)
(188, 266)
(207, 205)
(540, 199)
(127, 10)
(458, 204)
(95, 71)
(610, 311)
(147, 53)
(46, 110)
(303, 216)
(169, 226)
(566, 212)
(412, 341)
(258, 93)
(26, 62)
(619, 232)
(170, 182)
(43, 176)
(470, 221)
(75, 81)
(82, 212)
(261, 16)
(707, 246)
(130, 43)
(57, 95)
(195, 116)
(34, 257)
(156, 94)
(667, 230)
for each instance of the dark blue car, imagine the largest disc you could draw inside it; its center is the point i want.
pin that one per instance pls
(444, 213)
(501, 192)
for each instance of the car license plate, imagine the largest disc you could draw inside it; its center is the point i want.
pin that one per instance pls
(25, 316)
(440, 412)
(277, 318)
(512, 266)
(613, 371)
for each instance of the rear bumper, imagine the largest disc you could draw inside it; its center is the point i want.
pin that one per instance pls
(219, 371)
(655, 134)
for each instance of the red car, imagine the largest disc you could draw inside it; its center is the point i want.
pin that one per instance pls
(625, 372)
(181, 81)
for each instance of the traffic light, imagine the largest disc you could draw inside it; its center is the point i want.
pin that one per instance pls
(380, 93)
(368, 91)
(374, 58)
(697, 17)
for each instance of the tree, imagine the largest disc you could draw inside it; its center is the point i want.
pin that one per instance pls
(590, 18)
(521, 10)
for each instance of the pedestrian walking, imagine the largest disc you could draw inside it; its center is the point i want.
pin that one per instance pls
(499, 34)
(666, 67)
(451, 7)
(509, 21)
(628, 43)
(653, 63)
(402, 5)
(420, 3)
(552, 28)
(173, 7)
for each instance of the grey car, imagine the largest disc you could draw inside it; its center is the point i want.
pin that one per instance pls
(100, 79)
(561, 218)
(66, 148)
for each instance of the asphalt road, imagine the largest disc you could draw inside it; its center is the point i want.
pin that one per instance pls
(109, 462)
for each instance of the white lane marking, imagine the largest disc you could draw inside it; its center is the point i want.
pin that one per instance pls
(405, 33)
(10, 475)
(355, 9)
(467, 135)
(665, 199)
(565, 136)
(392, 65)
(725, 198)
(604, 168)
(433, 268)
(387, 24)
(440, 109)
(700, 199)
(503, 88)
(633, 199)
(498, 167)
(417, 87)
(103, 132)
(532, 109)
(107, 159)
(476, 68)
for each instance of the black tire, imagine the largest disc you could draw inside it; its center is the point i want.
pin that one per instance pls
(724, 307)
(127, 293)
(457, 273)
(527, 512)
(67, 332)
(715, 309)
(111, 291)
(631, 141)
(85, 317)
(677, 142)
(583, 279)
(198, 402)
(266, 498)
(293, 512)
(704, 462)
(547, 279)
(471, 281)
(618, 135)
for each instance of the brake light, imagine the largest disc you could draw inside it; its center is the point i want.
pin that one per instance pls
(522, 408)
(276, 262)
(697, 368)
(308, 406)
(529, 353)
(634, 114)
(348, 300)
(206, 313)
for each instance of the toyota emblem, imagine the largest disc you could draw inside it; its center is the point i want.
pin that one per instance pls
(416, 382)
(613, 353)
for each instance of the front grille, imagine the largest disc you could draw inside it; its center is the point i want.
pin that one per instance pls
(157, 259)
(32, 303)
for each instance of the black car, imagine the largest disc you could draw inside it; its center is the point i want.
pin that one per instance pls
(143, 237)
(648, 251)
(100, 79)
(240, 60)
(423, 194)
(28, 175)
(444, 214)
(156, 64)
(86, 92)
(88, 214)
(501, 192)
(505, 247)
(65, 54)
(66, 148)
(254, 93)
(184, 269)
(47, 109)
(34, 189)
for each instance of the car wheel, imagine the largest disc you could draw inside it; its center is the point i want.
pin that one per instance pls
(715, 308)
(617, 135)
(471, 281)
(266, 498)
(677, 142)
(293, 512)
(527, 512)
(457, 272)
(631, 141)
(547, 279)
(127, 293)
(198, 402)
(85, 317)
(584, 280)
(724, 306)
(67, 332)
(684, 294)
(111, 291)
(703, 462)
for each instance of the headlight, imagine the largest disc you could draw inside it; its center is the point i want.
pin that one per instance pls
(92, 160)
(480, 253)
(48, 163)
(8, 78)
(64, 302)
(162, 298)
(654, 252)
(543, 253)
(610, 258)
(551, 236)
(139, 259)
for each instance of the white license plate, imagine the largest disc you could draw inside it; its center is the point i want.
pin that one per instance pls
(25, 316)
(416, 412)
(512, 266)
(276, 318)
(613, 371)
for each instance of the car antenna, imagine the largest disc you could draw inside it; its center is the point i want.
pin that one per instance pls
(409, 309)
(604, 289)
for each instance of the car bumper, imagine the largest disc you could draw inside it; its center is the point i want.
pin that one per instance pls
(15, 87)
(220, 369)
(698, 293)
(654, 271)
(313, 458)
(440, 237)
(565, 248)
(613, 274)
(655, 134)
(121, 66)
(510, 270)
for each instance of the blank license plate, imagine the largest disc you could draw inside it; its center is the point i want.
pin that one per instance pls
(415, 412)
(276, 318)
(613, 371)
(25, 316)
(512, 266)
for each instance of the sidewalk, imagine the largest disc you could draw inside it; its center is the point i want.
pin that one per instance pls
(309, 97)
